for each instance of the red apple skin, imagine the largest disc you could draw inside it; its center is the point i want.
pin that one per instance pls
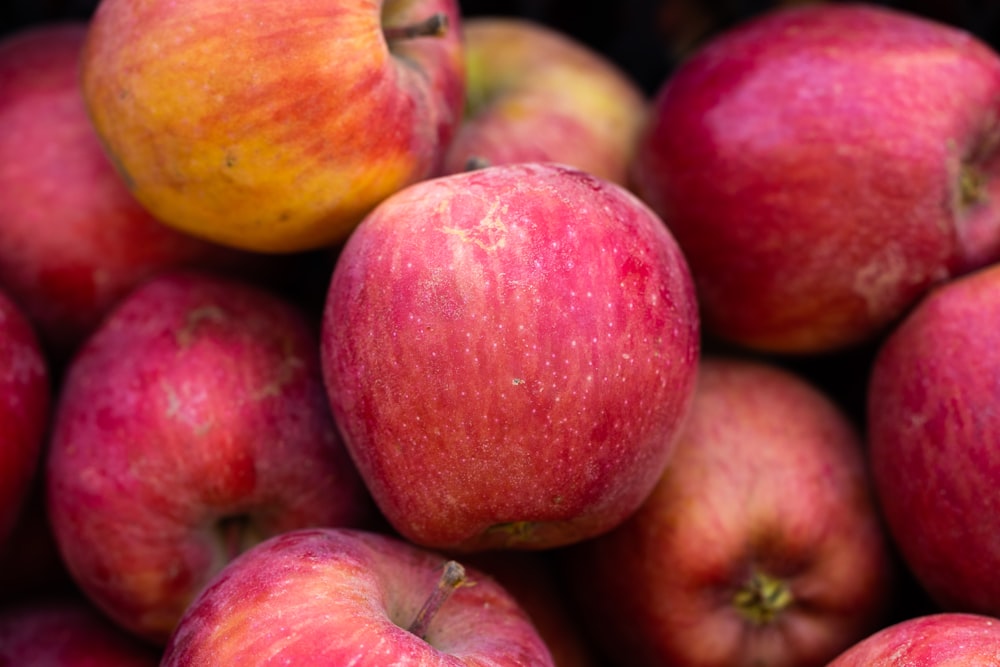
(347, 597)
(534, 94)
(67, 632)
(509, 353)
(192, 424)
(24, 411)
(933, 640)
(822, 166)
(72, 239)
(768, 479)
(933, 432)
(292, 119)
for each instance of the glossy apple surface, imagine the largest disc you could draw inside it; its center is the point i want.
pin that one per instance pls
(933, 429)
(760, 545)
(67, 632)
(24, 411)
(342, 597)
(509, 353)
(72, 238)
(822, 166)
(290, 120)
(933, 640)
(191, 425)
(537, 94)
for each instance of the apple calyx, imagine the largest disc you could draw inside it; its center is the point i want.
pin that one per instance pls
(452, 578)
(762, 597)
(436, 25)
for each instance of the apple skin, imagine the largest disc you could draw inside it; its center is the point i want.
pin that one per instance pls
(508, 354)
(822, 166)
(24, 411)
(72, 239)
(534, 94)
(346, 597)
(932, 640)
(291, 120)
(933, 430)
(67, 632)
(767, 482)
(191, 425)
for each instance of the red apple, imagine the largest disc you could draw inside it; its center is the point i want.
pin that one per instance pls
(933, 640)
(343, 597)
(72, 238)
(535, 94)
(509, 353)
(822, 166)
(933, 431)
(192, 424)
(273, 125)
(67, 632)
(760, 545)
(24, 411)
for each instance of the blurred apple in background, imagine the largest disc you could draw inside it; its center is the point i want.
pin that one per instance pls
(72, 238)
(342, 597)
(532, 578)
(822, 167)
(933, 640)
(67, 632)
(191, 425)
(760, 545)
(535, 94)
(934, 433)
(24, 411)
(509, 353)
(291, 119)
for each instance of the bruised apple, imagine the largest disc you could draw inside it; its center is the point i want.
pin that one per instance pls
(760, 545)
(509, 353)
(191, 425)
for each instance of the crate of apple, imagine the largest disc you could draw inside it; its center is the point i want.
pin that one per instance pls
(452, 332)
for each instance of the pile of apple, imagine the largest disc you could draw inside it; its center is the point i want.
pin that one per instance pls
(369, 333)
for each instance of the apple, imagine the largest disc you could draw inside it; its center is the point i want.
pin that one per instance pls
(931, 640)
(67, 632)
(273, 125)
(760, 545)
(192, 424)
(537, 94)
(508, 353)
(822, 166)
(24, 411)
(348, 597)
(72, 239)
(933, 431)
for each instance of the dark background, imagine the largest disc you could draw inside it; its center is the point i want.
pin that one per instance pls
(645, 37)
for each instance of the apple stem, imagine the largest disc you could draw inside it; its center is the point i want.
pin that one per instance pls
(452, 578)
(762, 598)
(436, 25)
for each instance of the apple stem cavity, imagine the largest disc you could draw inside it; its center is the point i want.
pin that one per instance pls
(762, 598)
(436, 25)
(452, 578)
(971, 186)
(476, 162)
